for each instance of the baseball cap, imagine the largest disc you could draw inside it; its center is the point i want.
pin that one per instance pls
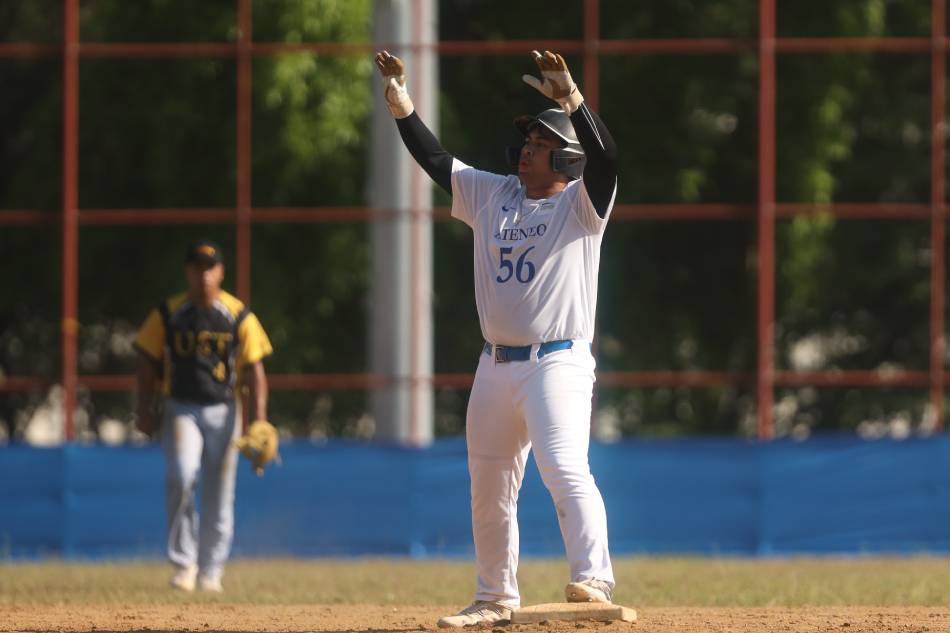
(203, 252)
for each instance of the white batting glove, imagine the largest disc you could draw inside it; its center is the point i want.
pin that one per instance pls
(555, 82)
(394, 79)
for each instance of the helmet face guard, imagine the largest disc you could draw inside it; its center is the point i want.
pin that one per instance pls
(569, 159)
(563, 160)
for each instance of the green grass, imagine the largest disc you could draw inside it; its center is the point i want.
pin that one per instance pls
(911, 581)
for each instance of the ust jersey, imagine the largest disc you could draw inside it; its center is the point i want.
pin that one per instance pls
(536, 261)
(202, 349)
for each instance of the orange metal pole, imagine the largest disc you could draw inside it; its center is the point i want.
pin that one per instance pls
(766, 222)
(915, 379)
(70, 280)
(482, 48)
(673, 211)
(243, 211)
(591, 90)
(937, 196)
(591, 49)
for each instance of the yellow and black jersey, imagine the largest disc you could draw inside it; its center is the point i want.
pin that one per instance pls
(202, 349)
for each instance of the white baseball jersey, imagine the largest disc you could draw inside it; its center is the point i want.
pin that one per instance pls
(536, 261)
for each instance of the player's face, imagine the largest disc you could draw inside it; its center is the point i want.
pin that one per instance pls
(534, 165)
(204, 279)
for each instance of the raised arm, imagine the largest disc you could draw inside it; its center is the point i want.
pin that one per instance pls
(600, 172)
(419, 140)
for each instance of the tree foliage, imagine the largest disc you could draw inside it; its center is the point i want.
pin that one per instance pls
(851, 127)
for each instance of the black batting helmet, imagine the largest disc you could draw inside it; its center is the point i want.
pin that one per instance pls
(569, 159)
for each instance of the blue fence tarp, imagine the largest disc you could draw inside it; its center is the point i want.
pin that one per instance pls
(711, 496)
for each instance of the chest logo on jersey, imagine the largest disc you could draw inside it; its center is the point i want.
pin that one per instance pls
(518, 233)
(203, 342)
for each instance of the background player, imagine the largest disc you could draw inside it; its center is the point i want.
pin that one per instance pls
(199, 342)
(537, 241)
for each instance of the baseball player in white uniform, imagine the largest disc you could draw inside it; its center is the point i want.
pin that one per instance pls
(537, 254)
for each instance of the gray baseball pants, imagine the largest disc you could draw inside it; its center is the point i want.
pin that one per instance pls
(198, 438)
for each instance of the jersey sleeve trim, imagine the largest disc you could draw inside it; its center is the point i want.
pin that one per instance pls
(460, 190)
(150, 339)
(587, 214)
(175, 302)
(234, 305)
(474, 189)
(254, 343)
(149, 355)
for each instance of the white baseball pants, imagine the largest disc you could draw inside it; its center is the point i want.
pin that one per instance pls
(199, 438)
(545, 404)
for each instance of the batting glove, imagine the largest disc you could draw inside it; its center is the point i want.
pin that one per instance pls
(394, 79)
(555, 82)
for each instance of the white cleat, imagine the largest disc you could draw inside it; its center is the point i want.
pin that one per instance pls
(211, 584)
(479, 612)
(588, 591)
(184, 578)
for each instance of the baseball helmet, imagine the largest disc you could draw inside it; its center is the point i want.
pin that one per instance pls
(569, 159)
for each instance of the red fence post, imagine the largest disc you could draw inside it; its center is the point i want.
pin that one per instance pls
(70, 224)
(765, 374)
(243, 211)
(591, 53)
(591, 90)
(937, 202)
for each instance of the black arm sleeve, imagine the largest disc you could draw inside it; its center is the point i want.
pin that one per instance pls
(427, 150)
(600, 172)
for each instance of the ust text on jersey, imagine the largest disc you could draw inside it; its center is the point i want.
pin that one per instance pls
(202, 344)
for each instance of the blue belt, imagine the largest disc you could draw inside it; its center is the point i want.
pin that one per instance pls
(505, 354)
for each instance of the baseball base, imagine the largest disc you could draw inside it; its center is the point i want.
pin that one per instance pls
(572, 611)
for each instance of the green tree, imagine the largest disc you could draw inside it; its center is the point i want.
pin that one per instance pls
(673, 295)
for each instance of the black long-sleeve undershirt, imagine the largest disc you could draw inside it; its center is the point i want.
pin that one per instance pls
(427, 150)
(600, 172)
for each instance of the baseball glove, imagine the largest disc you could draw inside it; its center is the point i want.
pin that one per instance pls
(259, 445)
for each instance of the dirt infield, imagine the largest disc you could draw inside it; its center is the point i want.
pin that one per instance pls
(206, 618)
(705, 595)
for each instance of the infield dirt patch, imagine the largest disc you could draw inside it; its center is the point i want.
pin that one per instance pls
(208, 618)
(703, 595)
